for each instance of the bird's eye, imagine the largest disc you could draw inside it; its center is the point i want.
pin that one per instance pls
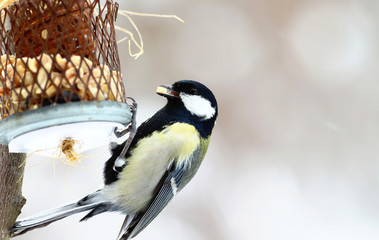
(193, 91)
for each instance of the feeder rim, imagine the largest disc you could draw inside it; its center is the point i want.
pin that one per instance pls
(58, 114)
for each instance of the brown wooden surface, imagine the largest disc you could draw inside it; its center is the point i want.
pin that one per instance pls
(11, 199)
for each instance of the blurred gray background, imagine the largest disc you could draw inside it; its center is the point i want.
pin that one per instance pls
(294, 154)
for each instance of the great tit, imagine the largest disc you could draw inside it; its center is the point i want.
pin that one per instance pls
(163, 157)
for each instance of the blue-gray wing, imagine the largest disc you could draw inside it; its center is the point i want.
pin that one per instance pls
(166, 189)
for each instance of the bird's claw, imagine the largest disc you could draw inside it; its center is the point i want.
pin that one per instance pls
(133, 105)
(133, 109)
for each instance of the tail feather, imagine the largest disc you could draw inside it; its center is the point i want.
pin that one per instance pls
(45, 218)
(97, 210)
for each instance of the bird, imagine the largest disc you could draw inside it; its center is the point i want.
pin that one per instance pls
(164, 155)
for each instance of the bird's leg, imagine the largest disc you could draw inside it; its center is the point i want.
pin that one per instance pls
(133, 111)
(132, 128)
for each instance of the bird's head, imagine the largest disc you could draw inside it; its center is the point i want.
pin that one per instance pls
(196, 98)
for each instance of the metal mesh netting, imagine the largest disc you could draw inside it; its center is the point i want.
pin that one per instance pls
(58, 51)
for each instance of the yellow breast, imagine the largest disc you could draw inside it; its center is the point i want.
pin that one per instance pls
(184, 140)
(149, 161)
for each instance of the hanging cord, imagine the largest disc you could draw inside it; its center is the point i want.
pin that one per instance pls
(131, 129)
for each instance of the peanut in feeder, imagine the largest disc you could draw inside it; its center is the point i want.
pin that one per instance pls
(60, 75)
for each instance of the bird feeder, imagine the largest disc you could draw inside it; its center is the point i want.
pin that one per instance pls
(60, 76)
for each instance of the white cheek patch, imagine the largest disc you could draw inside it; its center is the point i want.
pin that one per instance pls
(198, 105)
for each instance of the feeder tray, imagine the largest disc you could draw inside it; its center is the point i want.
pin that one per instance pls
(60, 75)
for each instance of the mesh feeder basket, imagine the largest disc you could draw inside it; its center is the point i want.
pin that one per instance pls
(60, 74)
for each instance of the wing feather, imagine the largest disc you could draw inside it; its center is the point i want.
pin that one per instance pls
(163, 196)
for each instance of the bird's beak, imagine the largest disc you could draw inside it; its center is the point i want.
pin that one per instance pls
(166, 91)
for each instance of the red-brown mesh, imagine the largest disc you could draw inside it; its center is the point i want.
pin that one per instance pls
(57, 51)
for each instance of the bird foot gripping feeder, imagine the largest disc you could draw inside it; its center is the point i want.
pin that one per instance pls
(60, 75)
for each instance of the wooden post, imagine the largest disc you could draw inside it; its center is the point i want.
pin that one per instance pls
(11, 199)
